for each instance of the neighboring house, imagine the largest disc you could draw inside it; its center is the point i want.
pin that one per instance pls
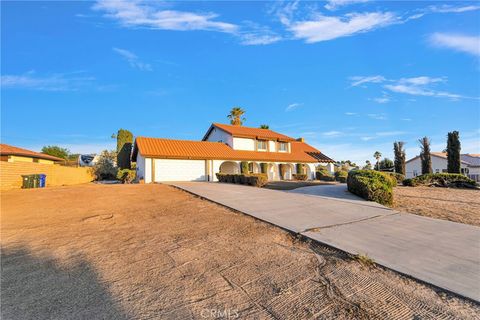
(14, 154)
(222, 149)
(87, 160)
(469, 164)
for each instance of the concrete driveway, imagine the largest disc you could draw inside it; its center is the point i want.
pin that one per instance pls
(443, 253)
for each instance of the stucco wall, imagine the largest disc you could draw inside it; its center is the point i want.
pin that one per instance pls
(11, 174)
(140, 166)
(219, 135)
(243, 144)
(438, 165)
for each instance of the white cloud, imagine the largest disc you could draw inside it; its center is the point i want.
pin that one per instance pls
(417, 86)
(453, 9)
(366, 138)
(406, 119)
(332, 134)
(335, 4)
(324, 28)
(249, 39)
(293, 106)
(133, 59)
(390, 133)
(150, 15)
(350, 113)
(458, 42)
(359, 80)
(377, 116)
(54, 82)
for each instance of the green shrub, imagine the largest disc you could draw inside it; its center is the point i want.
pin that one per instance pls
(263, 167)
(341, 176)
(105, 168)
(371, 185)
(446, 180)
(299, 168)
(398, 177)
(324, 176)
(244, 167)
(126, 175)
(256, 179)
(300, 177)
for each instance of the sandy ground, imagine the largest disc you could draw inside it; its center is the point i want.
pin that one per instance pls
(458, 205)
(151, 251)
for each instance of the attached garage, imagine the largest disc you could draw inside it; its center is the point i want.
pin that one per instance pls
(179, 170)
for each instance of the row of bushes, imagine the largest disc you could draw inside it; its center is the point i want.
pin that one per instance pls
(372, 185)
(299, 176)
(446, 180)
(253, 179)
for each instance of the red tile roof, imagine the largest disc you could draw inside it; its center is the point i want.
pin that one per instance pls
(247, 132)
(187, 149)
(7, 150)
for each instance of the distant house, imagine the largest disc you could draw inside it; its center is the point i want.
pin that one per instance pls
(14, 154)
(470, 165)
(222, 150)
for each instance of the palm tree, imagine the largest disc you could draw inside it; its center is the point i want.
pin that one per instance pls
(235, 116)
(264, 126)
(377, 155)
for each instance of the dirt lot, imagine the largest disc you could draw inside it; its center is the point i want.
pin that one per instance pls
(458, 205)
(151, 251)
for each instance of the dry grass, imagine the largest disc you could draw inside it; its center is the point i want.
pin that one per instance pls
(151, 251)
(458, 205)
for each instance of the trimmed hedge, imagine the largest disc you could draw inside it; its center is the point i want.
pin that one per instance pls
(301, 177)
(324, 176)
(254, 179)
(371, 185)
(445, 180)
(341, 176)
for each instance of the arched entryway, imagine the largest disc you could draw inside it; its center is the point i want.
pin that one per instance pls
(229, 167)
(254, 167)
(273, 173)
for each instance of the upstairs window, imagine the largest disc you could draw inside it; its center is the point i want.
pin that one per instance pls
(261, 145)
(283, 146)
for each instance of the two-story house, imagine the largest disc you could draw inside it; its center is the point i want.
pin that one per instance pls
(223, 149)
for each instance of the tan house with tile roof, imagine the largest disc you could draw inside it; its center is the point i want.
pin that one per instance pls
(222, 149)
(15, 154)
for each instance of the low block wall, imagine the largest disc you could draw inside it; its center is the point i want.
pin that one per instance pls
(11, 174)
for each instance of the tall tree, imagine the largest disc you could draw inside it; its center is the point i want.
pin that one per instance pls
(124, 148)
(235, 116)
(56, 151)
(264, 126)
(377, 155)
(368, 165)
(399, 151)
(425, 155)
(386, 164)
(453, 152)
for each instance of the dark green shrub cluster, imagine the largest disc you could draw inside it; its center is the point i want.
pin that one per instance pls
(371, 185)
(244, 167)
(254, 179)
(324, 176)
(446, 180)
(263, 167)
(341, 176)
(126, 175)
(300, 176)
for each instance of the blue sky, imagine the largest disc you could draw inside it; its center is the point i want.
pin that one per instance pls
(349, 76)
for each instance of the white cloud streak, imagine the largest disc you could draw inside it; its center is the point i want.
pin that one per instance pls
(147, 15)
(336, 4)
(324, 28)
(54, 82)
(417, 86)
(453, 9)
(457, 42)
(293, 106)
(133, 60)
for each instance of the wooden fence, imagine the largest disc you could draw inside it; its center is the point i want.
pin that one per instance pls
(11, 174)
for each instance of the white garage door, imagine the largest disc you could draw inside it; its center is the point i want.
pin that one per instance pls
(179, 170)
